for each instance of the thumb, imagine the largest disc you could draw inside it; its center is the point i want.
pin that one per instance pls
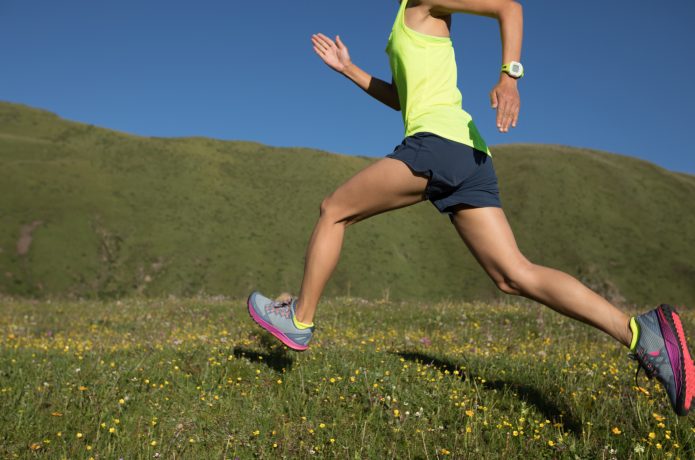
(339, 41)
(493, 98)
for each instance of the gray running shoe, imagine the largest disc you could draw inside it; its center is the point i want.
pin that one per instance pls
(276, 317)
(661, 350)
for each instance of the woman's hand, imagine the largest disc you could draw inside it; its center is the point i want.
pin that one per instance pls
(335, 56)
(505, 98)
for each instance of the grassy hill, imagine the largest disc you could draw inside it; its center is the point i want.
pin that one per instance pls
(86, 211)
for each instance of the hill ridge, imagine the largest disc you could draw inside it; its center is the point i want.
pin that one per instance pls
(126, 214)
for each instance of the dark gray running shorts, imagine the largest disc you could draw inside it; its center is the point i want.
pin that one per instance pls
(457, 173)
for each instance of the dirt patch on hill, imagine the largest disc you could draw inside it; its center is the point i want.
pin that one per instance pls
(25, 237)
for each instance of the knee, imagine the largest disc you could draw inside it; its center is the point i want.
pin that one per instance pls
(331, 211)
(326, 206)
(517, 278)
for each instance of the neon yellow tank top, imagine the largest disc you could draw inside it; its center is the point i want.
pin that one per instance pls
(424, 70)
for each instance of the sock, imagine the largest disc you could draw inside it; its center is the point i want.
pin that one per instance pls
(298, 324)
(635, 333)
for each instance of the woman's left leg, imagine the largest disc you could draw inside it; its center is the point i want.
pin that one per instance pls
(487, 234)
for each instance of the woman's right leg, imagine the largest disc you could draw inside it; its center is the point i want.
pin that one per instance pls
(382, 186)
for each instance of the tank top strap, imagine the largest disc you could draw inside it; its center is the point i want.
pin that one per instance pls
(401, 10)
(399, 16)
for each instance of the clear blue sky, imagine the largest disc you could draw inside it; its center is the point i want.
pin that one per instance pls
(612, 75)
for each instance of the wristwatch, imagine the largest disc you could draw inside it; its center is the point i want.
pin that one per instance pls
(513, 69)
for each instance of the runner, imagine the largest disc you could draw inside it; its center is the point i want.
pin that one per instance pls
(443, 159)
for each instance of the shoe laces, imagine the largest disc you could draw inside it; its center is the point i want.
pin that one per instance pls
(282, 303)
(644, 361)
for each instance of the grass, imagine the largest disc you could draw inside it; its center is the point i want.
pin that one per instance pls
(127, 215)
(196, 378)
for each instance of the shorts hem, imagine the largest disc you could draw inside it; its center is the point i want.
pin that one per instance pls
(445, 206)
(422, 172)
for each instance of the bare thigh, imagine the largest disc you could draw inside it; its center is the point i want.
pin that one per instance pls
(489, 237)
(382, 186)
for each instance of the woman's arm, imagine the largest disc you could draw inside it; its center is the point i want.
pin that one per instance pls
(378, 89)
(490, 8)
(504, 96)
(336, 56)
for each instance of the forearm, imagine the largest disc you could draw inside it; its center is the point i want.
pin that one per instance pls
(511, 30)
(378, 89)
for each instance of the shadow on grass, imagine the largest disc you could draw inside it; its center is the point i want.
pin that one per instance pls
(527, 393)
(277, 357)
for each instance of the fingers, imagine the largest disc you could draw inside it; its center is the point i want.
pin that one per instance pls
(515, 116)
(321, 45)
(494, 104)
(336, 56)
(326, 48)
(502, 115)
(507, 106)
(505, 115)
(493, 99)
(323, 42)
(499, 103)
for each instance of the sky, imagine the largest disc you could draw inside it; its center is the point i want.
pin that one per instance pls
(609, 75)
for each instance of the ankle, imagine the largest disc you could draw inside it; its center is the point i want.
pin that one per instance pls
(301, 317)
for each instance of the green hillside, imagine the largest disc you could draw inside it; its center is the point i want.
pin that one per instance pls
(86, 211)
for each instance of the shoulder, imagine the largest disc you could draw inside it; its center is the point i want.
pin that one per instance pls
(436, 8)
(480, 7)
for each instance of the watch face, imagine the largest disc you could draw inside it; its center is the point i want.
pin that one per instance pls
(513, 69)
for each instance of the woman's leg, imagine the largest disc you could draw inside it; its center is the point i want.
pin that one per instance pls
(487, 234)
(382, 186)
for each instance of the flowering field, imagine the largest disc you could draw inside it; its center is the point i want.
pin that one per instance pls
(196, 378)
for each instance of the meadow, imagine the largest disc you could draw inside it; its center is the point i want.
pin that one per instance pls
(196, 378)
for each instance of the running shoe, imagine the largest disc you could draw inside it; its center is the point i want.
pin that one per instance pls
(277, 317)
(661, 350)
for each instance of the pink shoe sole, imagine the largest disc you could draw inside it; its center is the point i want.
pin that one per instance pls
(276, 332)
